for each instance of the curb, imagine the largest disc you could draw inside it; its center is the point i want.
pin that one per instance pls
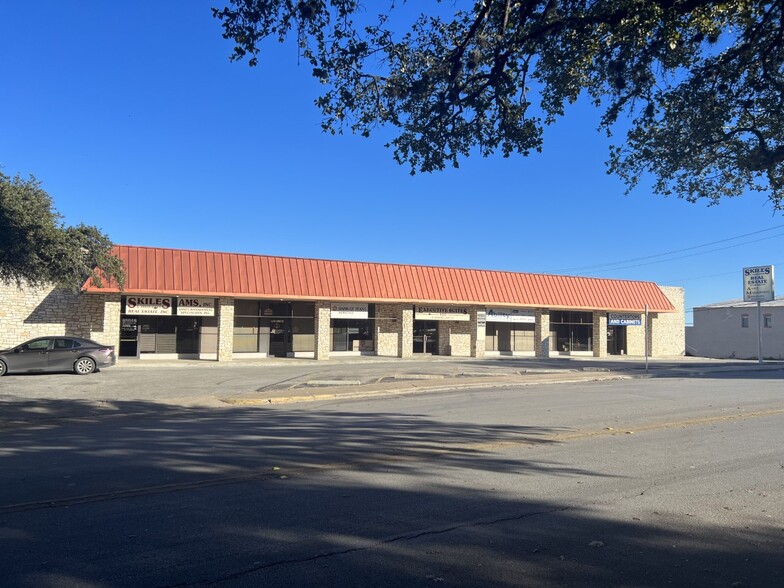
(415, 386)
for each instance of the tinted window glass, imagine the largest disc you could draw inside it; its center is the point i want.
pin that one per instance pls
(39, 345)
(63, 343)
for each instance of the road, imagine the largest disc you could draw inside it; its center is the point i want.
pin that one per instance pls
(645, 482)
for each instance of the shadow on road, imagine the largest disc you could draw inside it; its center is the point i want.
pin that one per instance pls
(143, 494)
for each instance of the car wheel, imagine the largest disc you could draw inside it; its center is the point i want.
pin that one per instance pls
(84, 366)
(3, 368)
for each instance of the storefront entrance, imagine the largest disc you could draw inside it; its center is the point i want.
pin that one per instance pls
(161, 334)
(572, 331)
(426, 337)
(616, 340)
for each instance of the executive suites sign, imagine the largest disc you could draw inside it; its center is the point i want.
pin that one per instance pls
(624, 319)
(758, 284)
(510, 315)
(441, 313)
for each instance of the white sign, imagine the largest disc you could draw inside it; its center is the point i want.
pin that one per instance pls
(196, 306)
(510, 315)
(349, 310)
(758, 284)
(623, 319)
(441, 313)
(148, 305)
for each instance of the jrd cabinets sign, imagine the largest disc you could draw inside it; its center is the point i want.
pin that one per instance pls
(758, 284)
(623, 319)
(164, 305)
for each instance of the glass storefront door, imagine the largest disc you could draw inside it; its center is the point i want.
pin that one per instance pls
(616, 340)
(426, 337)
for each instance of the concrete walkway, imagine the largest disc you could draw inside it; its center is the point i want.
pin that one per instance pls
(372, 377)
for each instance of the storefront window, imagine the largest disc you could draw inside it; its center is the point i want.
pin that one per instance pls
(509, 337)
(573, 330)
(246, 326)
(277, 328)
(351, 334)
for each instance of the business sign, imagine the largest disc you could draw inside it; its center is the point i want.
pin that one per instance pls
(196, 306)
(129, 326)
(348, 310)
(510, 315)
(758, 284)
(623, 319)
(441, 313)
(148, 305)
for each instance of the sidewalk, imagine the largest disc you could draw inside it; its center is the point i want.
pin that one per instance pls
(435, 374)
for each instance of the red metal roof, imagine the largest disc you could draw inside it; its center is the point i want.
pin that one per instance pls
(181, 272)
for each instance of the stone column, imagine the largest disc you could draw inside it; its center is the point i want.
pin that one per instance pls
(225, 328)
(111, 321)
(323, 330)
(405, 347)
(478, 331)
(542, 343)
(599, 334)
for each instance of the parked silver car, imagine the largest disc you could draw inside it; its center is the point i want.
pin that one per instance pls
(57, 354)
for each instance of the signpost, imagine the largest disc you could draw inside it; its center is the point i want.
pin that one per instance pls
(758, 287)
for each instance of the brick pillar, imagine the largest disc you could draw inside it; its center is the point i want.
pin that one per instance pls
(599, 334)
(478, 331)
(225, 328)
(542, 343)
(405, 319)
(323, 330)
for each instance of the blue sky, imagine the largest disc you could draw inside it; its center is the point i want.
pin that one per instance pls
(135, 121)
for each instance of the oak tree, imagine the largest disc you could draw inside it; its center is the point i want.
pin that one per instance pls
(691, 91)
(37, 248)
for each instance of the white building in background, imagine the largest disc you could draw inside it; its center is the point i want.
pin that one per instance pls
(730, 330)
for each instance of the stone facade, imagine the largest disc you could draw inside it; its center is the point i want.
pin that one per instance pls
(600, 334)
(27, 312)
(542, 344)
(454, 337)
(635, 339)
(478, 331)
(225, 329)
(387, 329)
(322, 331)
(668, 330)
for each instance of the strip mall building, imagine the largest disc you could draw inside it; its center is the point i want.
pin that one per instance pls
(224, 306)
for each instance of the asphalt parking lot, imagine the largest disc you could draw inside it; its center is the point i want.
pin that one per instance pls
(275, 381)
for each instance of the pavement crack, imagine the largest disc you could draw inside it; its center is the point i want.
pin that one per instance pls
(371, 545)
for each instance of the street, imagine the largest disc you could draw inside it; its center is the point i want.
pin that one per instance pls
(643, 482)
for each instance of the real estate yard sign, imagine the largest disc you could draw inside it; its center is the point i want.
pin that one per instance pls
(758, 284)
(758, 287)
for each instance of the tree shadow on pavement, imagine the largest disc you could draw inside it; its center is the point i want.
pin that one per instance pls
(144, 494)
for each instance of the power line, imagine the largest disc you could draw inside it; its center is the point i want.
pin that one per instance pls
(609, 265)
(685, 256)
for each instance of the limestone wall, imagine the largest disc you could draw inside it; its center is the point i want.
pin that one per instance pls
(668, 329)
(27, 312)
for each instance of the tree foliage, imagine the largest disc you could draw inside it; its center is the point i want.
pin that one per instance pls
(37, 248)
(695, 86)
